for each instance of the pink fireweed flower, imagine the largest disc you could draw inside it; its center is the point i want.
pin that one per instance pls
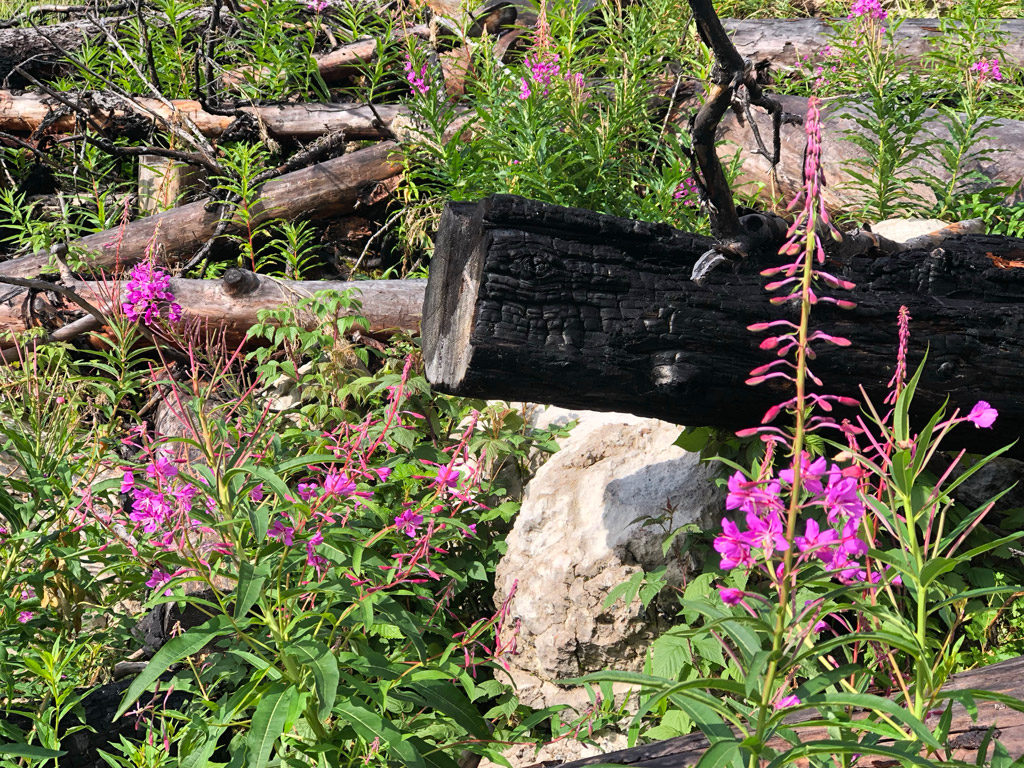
(161, 467)
(150, 508)
(810, 473)
(416, 78)
(285, 533)
(447, 477)
(312, 558)
(127, 481)
(307, 490)
(816, 541)
(27, 593)
(987, 69)
(408, 522)
(753, 495)
(337, 484)
(872, 9)
(256, 494)
(840, 498)
(687, 192)
(158, 579)
(733, 546)
(982, 415)
(146, 295)
(786, 701)
(766, 533)
(25, 617)
(318, 6)
(730, 596)
(899, 377)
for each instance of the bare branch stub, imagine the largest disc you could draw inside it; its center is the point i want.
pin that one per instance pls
(733, 81)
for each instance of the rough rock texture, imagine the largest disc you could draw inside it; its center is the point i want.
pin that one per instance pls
(579, 534)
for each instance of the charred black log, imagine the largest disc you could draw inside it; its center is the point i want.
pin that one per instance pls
(529, 301)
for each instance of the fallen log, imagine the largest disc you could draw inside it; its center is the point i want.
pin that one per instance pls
(322, 191)
(533, 302)
(784, 42)
(229, 305)
(965, 732)
(40, 49)
(997, 157)
(25, 112)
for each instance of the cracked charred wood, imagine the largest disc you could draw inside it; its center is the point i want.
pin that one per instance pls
(528, 301)
(321, 191)
(230, 304)
(784, 41)
(25, 112)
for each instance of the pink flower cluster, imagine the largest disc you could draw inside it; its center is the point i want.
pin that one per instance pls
(872, 9)
(543, 68)
(987, 69)
(147, 295)
(417, 78)
(837, 546)
(687, 192)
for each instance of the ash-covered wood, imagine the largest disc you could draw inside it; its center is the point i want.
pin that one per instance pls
(528, 301)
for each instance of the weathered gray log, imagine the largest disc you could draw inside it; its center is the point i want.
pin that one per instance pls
(965, 733)
(528, 301)
(39, 49)
(784, 41)
(24, 112)
(229, 305)
(1003, 165)
(322, 191)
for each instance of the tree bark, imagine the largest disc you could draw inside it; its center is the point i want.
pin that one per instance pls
(965, 733)
(24, 112)
(322, 191)
(784, 41)
(528, 301)
(230, 304)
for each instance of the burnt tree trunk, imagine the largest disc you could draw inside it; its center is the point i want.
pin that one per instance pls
(319, 192)
(529, 301)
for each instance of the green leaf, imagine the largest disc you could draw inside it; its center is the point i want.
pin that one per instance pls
(369, 725)
(268, 722)
(251, 579)
(935, 568)
(446, 698)
(193, 641)
(30, 750)
(719, 754)
(324, 666)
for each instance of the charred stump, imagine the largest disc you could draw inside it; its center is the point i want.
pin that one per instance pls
(529, 301)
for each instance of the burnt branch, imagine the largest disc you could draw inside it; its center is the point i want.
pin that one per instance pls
(733, 83)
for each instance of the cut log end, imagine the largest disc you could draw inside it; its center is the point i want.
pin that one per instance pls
(449, 306)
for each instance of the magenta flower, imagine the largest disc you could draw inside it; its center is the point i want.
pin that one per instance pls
(982, 415)
(815, 540)
(810, 473)
(337, 484)
(383, 473)
(417, 79)
(732, 545)
(766, 533)
(408, 522)
(987, 69)
(840, 499)
(147, 295)
(730, 596)
(447, 477)
(162, 467)
(307, 490)
(158, 579)
(313, 559)
(687, 192)
(284, 533)
(150, 508)
(753, 495)
(786, 701)
(869, 8)
(127, 481)
(25, 617)
(256, 494)
(27, 593)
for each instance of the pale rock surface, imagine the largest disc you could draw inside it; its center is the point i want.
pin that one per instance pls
(579, 534)
(901, 230)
